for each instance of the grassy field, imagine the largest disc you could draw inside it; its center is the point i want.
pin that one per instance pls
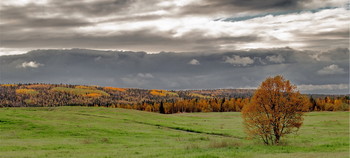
(107, 132)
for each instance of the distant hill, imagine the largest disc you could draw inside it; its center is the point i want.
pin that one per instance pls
(62, 94)
(173, 101)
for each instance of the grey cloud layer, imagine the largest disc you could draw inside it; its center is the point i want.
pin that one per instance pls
(145, 39)
(179, 70)
(155, 25)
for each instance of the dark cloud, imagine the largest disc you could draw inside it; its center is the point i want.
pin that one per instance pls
(145, 40)
(331, 38)
(171, 70)
(267, 4)
(33, 21)
(48, 22)
(235, 6)
(93, 8)
(63, 13)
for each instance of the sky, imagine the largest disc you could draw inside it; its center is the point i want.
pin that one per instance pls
(176, 44)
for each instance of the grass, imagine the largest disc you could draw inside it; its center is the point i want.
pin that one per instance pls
(108, 132)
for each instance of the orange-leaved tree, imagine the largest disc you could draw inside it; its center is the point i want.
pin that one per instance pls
(276, 109)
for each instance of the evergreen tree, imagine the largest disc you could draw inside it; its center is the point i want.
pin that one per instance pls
(161, 108)
(313, 104)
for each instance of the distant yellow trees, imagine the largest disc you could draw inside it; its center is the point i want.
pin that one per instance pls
(162, 93)
(26, 91)
(94, 95)
(192, 105)
(115, 89)
(158, 92)
(329, 104)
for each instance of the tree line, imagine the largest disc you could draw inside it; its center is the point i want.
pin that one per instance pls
(168, 102)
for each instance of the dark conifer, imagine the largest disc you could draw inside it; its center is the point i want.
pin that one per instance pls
(161, 108)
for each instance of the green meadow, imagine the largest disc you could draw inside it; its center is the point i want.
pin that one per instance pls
(113, 132)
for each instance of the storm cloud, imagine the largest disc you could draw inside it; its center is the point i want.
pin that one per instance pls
(169, 70)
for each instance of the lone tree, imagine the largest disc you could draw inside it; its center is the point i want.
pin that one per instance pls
(275, 110)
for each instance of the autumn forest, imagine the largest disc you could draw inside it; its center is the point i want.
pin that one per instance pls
(162, 101)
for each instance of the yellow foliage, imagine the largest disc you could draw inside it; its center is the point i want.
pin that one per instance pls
(94, 95)
(149, 108)
(158, 92)
(275, 110)
(199, 95)
(163, 93)
(79, 91)
(26, 91)
(171, 93)
(115, 89)
(38, 86)
(8, 85)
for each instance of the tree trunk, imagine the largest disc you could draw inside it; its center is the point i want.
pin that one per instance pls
(277, 139)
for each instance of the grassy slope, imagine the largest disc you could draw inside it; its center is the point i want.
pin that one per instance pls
(105, 132)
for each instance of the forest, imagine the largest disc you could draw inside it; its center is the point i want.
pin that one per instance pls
(154, 100)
